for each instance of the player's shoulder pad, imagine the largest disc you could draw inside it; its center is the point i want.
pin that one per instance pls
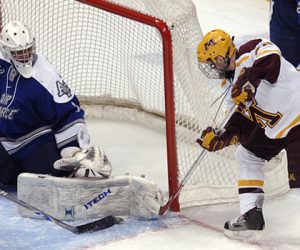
(265, 48)
(47, 75)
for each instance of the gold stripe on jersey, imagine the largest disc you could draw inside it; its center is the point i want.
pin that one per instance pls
(250, 183)
(268, 43)
(292, 124)
(241, 60)
(269, 51)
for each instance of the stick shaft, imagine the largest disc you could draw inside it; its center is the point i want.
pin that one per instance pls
(89, 227)
(187, 176)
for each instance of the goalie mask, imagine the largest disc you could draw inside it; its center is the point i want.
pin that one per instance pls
(215, 43)
(18, 45)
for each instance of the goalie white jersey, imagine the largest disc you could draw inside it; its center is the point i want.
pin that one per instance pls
(276, 105)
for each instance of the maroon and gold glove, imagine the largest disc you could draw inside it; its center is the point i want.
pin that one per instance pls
(213, 141)
(244, 89)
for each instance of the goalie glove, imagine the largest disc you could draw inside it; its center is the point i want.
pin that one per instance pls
(244, 89)
(213, 141)
(92, 159)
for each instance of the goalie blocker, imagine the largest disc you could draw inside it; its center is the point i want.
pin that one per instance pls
(89, 198)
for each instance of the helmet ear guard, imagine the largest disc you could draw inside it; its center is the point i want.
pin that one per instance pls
(18, 45)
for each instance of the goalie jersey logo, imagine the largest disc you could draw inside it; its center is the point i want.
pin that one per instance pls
(63, 89)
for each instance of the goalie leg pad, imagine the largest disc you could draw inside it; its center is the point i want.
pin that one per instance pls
(146, 198)
(86, 198)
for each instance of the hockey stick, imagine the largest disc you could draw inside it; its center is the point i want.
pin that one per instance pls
(89, 227)
(187, 176)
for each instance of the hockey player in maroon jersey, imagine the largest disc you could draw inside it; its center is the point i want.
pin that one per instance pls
(265, 87)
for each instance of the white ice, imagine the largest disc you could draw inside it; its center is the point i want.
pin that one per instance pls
(139, 150)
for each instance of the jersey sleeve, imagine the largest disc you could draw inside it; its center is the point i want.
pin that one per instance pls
(58, 106)
(241, 124)
(267, 63)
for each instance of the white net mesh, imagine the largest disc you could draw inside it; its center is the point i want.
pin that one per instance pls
(111, 60)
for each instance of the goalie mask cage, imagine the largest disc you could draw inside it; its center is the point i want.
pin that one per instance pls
(141, 55)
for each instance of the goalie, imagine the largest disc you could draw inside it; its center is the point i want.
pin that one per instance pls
(39, 115)
(265, 87)
(43, 133)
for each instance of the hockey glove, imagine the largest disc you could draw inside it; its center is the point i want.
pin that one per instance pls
(243, 90)
(213, 141)
(91, 160)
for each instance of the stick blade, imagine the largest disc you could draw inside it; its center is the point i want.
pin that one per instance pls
(98, 225)
(163, 210)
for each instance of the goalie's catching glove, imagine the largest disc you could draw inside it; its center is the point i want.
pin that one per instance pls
(213, 141)
(244, 88)
(92, 159)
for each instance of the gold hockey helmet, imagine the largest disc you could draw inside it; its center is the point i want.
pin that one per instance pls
(215, 43)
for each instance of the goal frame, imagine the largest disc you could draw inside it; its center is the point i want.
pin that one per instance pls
(166, 36)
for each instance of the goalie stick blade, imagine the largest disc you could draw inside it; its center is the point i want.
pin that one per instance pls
(98, 225)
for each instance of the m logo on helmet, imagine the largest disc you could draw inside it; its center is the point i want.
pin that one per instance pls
(209, 43)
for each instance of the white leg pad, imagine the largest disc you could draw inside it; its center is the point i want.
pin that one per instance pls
(86, 198)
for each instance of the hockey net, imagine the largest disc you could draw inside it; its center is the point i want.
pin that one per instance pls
(141, 56)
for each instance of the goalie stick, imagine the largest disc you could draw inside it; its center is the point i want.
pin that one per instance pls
(89, 227)
(163, 209)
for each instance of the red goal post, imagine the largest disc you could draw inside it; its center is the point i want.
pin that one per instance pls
(164, 30)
